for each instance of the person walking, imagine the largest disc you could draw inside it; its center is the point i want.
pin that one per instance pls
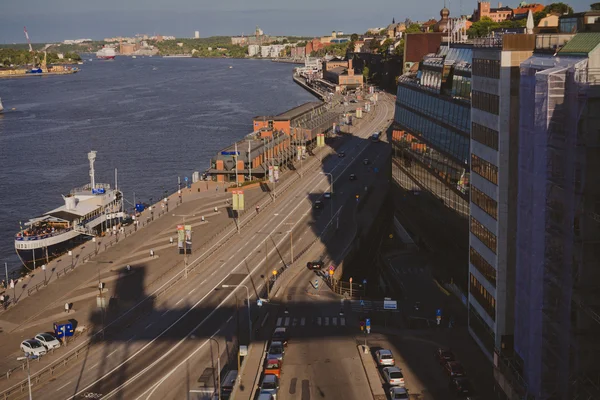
(171, 240)
(67, 308)
(128, 268)
(152, 253)
(2, 300)
(257, 209)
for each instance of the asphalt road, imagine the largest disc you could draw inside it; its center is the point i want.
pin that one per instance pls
(152, 358)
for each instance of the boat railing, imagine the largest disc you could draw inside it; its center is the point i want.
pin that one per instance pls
(88, 187)
(21, 237)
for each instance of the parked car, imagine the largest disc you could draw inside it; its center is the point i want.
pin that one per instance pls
(47, 340)
(266, 396)
(269, 385)
(393, 376)
(318, 205)
(444, 355)
(384, 357)
(461, 386)
(342, 154)
(280, 335)
(275, 351)
(366, 161)
(273, 367)
(454, 369)
(33, 347)
(314, 264)
(327, 195)
(398, 393)
(353, 177)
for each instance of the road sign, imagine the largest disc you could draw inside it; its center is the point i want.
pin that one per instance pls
(259, 302)
(390, 305)
(368, 329)
(274, 272)
(331, 272)
(350, 279)
(364, 281)
(439, 320)
(331, 267)
(185, 179)
(376, 169)
(438, 312)
(368, 322)
(243, 351)
(362, 303)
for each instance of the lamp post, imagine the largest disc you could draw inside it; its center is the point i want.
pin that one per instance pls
(185, 249)
(95, 244)
(33, 357)
(44, 269)
(72, 259)
(218, 367)
(248, 306)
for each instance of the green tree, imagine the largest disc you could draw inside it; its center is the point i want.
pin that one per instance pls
(399, 50)
(559, 8)
(383, 32)
(383, 49)
(483, 27)
(366, 73)
(595, 6)
(537, 17)
(301, 44)
(413, 28)
(354, 37)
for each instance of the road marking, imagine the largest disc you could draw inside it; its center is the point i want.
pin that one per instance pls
(319, 321)
(287, 321)
(94, 366)
(343, 321)
(302, 321)
(114, 351)
(178, 302)
(279, 321)
(230, 318)
(149, 325)
(294, 322)
(334, 321)
(133, 337)
(192, 291)
(202, 283)
(326, 321)
(63, 386)
(165, 313)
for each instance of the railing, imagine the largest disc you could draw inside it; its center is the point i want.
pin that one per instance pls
(45, 236)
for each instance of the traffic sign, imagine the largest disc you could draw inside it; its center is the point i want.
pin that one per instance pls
(331, 272)
(390, 305)
(331, 267)
(364, 281)
(368, 329)
(259, 302)
(368, 321)
(438, 312)
(185, 179)
(362, 303)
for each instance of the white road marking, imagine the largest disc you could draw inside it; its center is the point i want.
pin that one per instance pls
(149, 325)
(94, 366)
(229, 319)
(114, 351)
(279, 321)
(178, 302)
(294, 322)
(63, 386)
(343, 321)
(165, 313)
(319, 321)
(130, 339)
(302, 321)
(287, 321)
(202, 283)
(334, 321)
(192, 291)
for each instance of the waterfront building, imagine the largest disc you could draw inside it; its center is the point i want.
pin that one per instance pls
(341, 73)
(493, 186)
(253, 50)
(557, 294)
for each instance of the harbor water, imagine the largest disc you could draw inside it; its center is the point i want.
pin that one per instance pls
(155, 119)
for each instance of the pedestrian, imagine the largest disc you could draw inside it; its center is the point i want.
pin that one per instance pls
(216, 209)
(171, 240)
(67, 308)
(152, 253)
(128, 268)
(257, 209)
(2, 300)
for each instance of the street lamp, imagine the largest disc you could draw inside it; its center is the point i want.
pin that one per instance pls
(248, 306)
(44, 269)
(218, 367)
(185, 250)
(33, 357)
(96, 244)
(72, 261)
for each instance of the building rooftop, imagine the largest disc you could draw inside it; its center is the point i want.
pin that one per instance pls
(581, 44)
(338, 70)
(294, 112)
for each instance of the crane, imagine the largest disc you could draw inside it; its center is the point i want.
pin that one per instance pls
(29, 43)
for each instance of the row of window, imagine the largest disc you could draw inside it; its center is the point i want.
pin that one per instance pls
(485, 202)
(483, 234)
(486, 68)
(484, 135)
(483, 297)
(483, 266)
(461, 86)
(482, 330)
(446, 140)
(453, 113)
(485, 169)
(485, 102)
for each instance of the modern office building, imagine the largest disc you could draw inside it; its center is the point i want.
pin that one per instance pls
(557, 274)
(493, 189)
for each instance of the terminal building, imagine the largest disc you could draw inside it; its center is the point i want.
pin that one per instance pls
(275, 143)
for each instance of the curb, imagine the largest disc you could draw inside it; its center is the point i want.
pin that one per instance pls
(376, 396)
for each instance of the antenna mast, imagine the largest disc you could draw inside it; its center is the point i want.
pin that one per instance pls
(92, 158)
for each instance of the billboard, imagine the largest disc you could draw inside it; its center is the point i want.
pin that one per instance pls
(180, 236)
(188, 238)
(238, 200)
(276, 173)
(271, 173)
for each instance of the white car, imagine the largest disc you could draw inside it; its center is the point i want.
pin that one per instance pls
(32, 347)
(398, 393)
(384, 357)
(48, 340)
(393, 376)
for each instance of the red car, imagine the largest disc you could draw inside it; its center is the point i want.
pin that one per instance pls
(444, 355)
(454, 369)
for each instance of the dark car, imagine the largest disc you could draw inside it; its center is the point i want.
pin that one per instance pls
(342, 154)
(366, 161)
(352, 177)
(444, 355)
(318, 205)
(461, 386)
(454, 369)
(314, 264)
(280, 335)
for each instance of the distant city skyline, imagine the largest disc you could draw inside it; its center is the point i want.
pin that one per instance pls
(182, 18)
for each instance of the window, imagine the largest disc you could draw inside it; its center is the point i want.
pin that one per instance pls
(483, 266)
(483, 234)
(486, 68)
(485, 101)
(484, 135)
(485, 202)
(484, 169)
(483, 297)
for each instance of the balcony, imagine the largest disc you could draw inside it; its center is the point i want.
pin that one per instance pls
(551, 43)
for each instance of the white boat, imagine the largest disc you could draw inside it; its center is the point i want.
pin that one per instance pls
(87, 211)
(1, 106)
(106, 53)
(133, 57)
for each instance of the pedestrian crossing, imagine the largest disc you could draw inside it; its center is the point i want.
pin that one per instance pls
(410, 271)
(363, 306)
(310, 321)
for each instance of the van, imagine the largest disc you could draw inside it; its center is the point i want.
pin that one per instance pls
(228, 383)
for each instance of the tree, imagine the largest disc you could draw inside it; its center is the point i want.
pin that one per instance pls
(399, 50)
(481, 28)
(354, 37)
(558, 8)
(595, 6)
(383, 32)
(413, 28)
(365, 73)
(383, 49)
(537, 17)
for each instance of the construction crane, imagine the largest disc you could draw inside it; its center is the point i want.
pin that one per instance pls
(29, 43)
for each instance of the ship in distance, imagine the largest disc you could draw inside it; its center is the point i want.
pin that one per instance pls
(87, 212)
(106, 53)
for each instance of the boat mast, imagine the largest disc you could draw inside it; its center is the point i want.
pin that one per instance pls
(92, 158)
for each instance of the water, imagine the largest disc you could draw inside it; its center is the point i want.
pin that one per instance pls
(152, 118)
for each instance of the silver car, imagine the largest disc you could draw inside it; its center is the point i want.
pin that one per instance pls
(270, 385)
(384, 357)
(275, 351)
(32, 347)
(47, 340)
(393, 376)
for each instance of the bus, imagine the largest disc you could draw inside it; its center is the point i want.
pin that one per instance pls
(375, 137)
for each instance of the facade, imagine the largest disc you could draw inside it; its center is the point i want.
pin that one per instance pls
(253, 50)
(484, 9)
(588, 21)
(418, 45)
(557, 296)
(341, 73)
(298, 52)
(493, 188)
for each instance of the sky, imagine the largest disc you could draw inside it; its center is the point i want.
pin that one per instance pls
(57, 20)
